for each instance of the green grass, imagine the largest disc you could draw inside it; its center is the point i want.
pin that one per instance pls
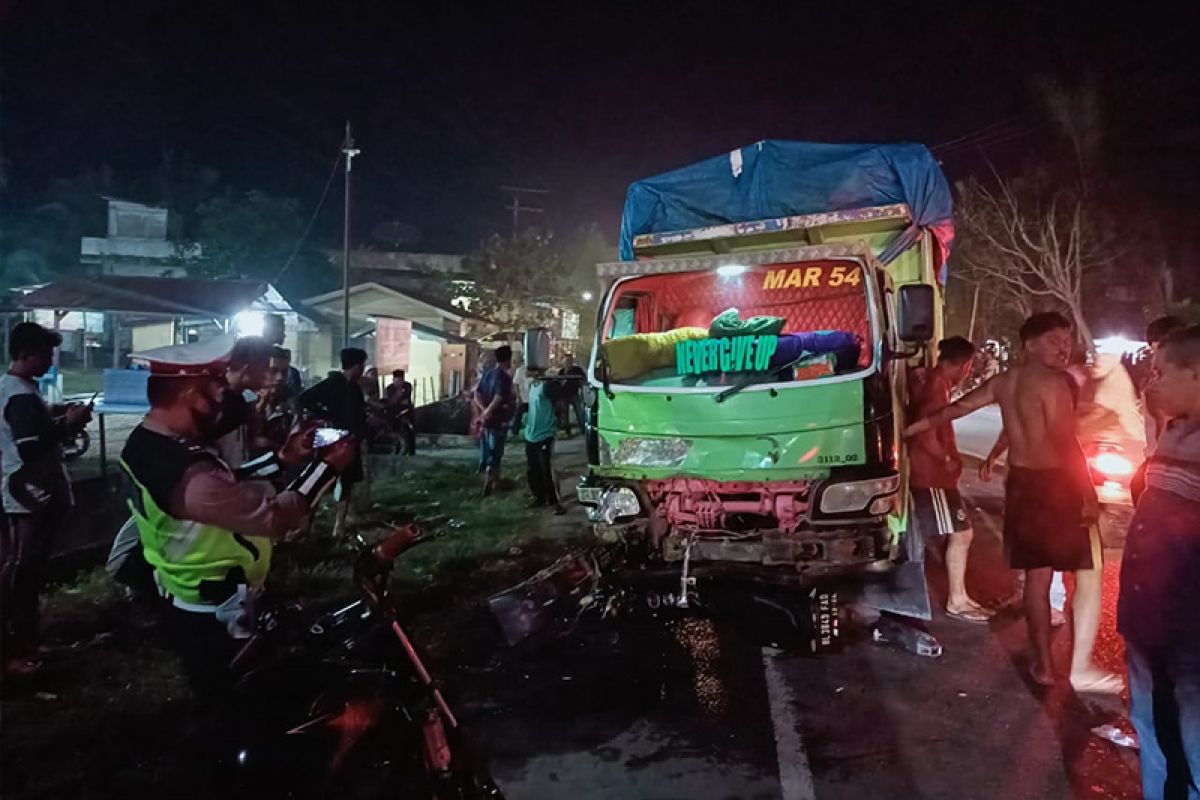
(103, 717)
(469, 536)
(78, 381)
(90, 603)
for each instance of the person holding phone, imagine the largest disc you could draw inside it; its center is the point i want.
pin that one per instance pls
(36, 489)
(339, 400)
(207, 530)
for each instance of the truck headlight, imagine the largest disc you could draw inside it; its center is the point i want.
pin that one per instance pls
(839, 498)
(613, 504)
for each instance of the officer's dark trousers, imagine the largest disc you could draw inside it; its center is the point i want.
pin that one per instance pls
(206, 650)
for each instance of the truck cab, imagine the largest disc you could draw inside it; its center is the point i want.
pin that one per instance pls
(750, 385)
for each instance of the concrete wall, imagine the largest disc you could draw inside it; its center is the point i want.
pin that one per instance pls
(158, 334)
(315, 354)
(425, 368)
(458, 367)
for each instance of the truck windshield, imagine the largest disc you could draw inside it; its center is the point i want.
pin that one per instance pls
(738, 326)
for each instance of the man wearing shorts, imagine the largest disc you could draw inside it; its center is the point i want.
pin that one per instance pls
(1050, 507)
(934, 470)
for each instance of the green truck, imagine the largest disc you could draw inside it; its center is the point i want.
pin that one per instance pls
(750, 382)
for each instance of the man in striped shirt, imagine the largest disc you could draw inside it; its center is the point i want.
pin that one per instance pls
(1158, 612)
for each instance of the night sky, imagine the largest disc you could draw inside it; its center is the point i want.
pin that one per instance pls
(450, 101)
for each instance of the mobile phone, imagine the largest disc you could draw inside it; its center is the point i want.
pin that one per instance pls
(323, 437)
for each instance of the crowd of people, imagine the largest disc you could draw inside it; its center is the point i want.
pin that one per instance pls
(229, 460)
(512, 397)
(222, 466)
(1052, 517)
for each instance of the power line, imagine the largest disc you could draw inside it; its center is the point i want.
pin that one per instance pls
(983, 132)
(312, 219)
(1137, 69)
(999, 137)
(516, 208)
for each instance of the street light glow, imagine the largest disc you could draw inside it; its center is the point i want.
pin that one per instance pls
(587, 296)
(1118, 345)
(250, 323)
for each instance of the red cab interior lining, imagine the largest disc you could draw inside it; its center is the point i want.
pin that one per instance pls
(663, 302)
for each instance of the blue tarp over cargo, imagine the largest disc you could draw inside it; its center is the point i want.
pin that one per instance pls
(779, 179)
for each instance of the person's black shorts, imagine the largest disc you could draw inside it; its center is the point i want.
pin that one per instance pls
(1043, 522)
(940, 511)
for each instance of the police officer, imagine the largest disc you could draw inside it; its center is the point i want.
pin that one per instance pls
(206, 531)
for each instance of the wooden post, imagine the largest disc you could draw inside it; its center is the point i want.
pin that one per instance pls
(116, 333)
(103, 446)
(59, 315)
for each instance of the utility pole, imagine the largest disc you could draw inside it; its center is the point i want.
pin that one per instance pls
(516, 208)
(974, 311)
(350, 151)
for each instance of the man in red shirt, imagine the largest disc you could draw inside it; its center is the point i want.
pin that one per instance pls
(935, 466)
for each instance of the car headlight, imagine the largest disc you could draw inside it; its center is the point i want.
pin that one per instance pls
(613, 504)
(839, 498)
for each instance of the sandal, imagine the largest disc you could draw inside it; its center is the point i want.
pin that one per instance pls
(1103, 684)
(977, 617)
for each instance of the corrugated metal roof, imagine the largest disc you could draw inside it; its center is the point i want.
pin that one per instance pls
(145, 295)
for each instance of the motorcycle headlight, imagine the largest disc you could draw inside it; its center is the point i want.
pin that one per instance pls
(839, 498)
(615, 504)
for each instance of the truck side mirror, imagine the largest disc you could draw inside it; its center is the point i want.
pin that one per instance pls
(914, 313)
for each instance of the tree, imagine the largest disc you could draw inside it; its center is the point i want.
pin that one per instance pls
(515, 278)
(1029, 241)
(585, 249)
(1045, 237)
(40, 242)
(250, 234)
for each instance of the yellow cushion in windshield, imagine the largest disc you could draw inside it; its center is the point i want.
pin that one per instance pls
(635, 355)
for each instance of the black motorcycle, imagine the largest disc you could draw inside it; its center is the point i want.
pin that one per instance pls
(76, 446)
(390, 431)
(353, 712)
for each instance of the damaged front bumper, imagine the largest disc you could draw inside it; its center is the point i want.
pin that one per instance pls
(768, 532)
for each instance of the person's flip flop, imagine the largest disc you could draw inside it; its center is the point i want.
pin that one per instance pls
(1105, 684)
(972, 616)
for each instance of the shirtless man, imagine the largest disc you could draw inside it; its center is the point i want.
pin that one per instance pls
(1050, 509)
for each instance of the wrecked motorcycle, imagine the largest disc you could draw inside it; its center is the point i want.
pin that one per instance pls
(600, 584)
(353, 711)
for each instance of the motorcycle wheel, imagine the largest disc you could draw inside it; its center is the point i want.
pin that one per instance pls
(78, 445)
(337, 729)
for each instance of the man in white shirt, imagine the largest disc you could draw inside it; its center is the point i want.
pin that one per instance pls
(522, 383)
(36, 489)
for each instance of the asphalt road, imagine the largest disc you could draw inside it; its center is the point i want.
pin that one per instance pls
(704, 707)
(977, 432)
(717, 705)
